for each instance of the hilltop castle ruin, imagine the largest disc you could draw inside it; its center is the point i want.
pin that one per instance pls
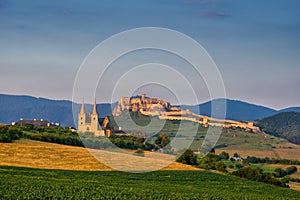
(165, 111)
(143, 104)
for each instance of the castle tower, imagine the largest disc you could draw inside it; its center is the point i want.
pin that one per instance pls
(81, 119)
(143, 97)
(94, 119)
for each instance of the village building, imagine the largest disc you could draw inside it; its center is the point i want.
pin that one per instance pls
(35, 122)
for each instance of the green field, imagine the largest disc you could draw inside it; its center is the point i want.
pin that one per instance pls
(24, 183)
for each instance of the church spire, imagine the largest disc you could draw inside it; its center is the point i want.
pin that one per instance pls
(82, 108)
(95, 108)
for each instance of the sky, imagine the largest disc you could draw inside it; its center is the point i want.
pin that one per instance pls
(255, 44)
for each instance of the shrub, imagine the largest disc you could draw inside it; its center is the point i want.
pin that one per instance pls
(231, 166)
(206, 163)
(220, 166)
(224, 156)
(9, 133)
(256, 174)
(291, 170)
(139, 152)
(239, 165)
(188, 157)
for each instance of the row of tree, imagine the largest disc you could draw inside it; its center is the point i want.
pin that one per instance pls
(66, 136)
(282, 173)
(253, 159)
(216, 162)
(209, 162)
(257, 174)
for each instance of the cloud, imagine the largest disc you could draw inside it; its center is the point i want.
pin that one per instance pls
(212, 12)
(208, 8)
(203, 1)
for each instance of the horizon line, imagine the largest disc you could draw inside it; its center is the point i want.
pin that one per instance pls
(70, 100)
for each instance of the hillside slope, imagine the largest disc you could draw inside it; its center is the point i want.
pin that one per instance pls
(286, 125)
(36, 154)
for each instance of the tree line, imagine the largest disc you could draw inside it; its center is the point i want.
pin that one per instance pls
(217, 162)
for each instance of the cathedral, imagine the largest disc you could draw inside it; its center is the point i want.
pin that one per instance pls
(89, 122)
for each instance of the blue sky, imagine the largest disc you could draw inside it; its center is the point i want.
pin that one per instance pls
(255, 43)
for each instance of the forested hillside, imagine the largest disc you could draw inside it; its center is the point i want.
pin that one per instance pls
(286, 125)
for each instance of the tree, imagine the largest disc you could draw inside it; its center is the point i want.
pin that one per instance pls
(220, 166)
(291, 170)
(250, 173)
(5, 138)
(231, 166)
(162, 140)
(139, 152)
(188, 157)
(256, 174)
(206, 163)
(236, 155)
(239, 165)
(280, 172)
(224, 156)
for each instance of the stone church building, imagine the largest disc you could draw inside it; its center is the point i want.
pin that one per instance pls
(89, 122)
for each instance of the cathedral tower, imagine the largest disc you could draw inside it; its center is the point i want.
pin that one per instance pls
(94, 119)
(82, 119)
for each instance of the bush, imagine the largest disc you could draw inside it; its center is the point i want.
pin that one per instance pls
(239, 165)
(9, 133)
(224, 156)
(256, 174)
(280, 172)
(220, 166)
(5, 138)
(231, 166)
(139, 152)
(236, 155)
(291, 170)
(188, 157)
(206, 163)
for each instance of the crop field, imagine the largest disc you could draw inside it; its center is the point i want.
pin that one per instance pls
(36, 154)
(25, 183)
(293, 154)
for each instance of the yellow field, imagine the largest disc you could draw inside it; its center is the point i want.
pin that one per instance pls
(296, 175)
(248, 152)
(36, 154)
(293, 154)
(281, 153)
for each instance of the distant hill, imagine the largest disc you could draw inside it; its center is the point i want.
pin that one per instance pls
(286, 125)
(14, 107)
(236, 110)
(291, 109)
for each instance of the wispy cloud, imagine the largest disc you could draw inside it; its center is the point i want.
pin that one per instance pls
(212, 12)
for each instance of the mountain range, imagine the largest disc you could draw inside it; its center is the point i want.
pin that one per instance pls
(14, 107)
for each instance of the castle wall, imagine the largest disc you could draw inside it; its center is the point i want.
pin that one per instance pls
(141, 103)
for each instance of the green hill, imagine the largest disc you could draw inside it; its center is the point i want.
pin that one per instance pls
(285, 125)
